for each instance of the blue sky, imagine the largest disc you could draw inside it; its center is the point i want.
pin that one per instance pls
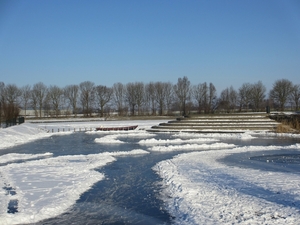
(225, 42)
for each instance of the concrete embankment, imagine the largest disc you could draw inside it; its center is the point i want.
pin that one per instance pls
(220, 123)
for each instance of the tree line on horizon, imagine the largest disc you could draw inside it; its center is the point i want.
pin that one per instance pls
(138, 98)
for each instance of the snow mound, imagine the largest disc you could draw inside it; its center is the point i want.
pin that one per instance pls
(109, 139)
(175, 141)
(195, 147)
(198, 189)
(45, 188)
(20, 134)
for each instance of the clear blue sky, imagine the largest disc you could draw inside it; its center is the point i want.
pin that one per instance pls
(225, 42)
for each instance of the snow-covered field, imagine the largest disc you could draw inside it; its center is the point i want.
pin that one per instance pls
(197, 187)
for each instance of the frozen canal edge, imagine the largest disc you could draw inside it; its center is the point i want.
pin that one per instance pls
(201, 190)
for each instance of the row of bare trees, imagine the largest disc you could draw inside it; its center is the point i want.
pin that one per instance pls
(137, 98)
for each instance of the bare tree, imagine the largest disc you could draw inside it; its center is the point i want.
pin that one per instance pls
(131, 97)
(55, 96)
(2, 86)
(12, 94)
(212, 97)
(199, 93)
(244, 95)
(295, 96)
(150, 97)
(161, 91)
(10, 102)
(135, 93)
(71, 93)
(10, 111)
(281, 91)
(103, 95)
(38, 95)
(87, 96)
(140, 95)
(25, 97)
(34, 103)
(258, 91)
(183, 93)
(228, 99)
(119, 96)
(233, 97)
(169, 95)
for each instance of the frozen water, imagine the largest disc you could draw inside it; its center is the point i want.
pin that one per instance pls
(201, 189)
(198, 187)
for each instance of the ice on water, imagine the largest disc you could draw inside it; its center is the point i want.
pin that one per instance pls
(198, 188)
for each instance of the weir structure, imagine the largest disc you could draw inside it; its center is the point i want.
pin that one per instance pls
(219, 123)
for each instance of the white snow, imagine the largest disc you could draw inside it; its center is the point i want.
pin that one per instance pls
(109, 139)
(9, 158)
(47, 187)
(198, 189)
(112, 137)
(246, 135)
(194, 147)
(175, 141)
(21, 134)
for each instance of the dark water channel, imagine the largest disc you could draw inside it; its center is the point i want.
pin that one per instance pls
(128, 195)
(130, 192)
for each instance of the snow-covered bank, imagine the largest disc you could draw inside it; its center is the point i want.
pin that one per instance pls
(198, 189)
(36, 186)
(27, 132)
(21, 134)
(92, 125)
(45, 188)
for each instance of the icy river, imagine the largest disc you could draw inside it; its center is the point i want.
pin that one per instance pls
(133, 188)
